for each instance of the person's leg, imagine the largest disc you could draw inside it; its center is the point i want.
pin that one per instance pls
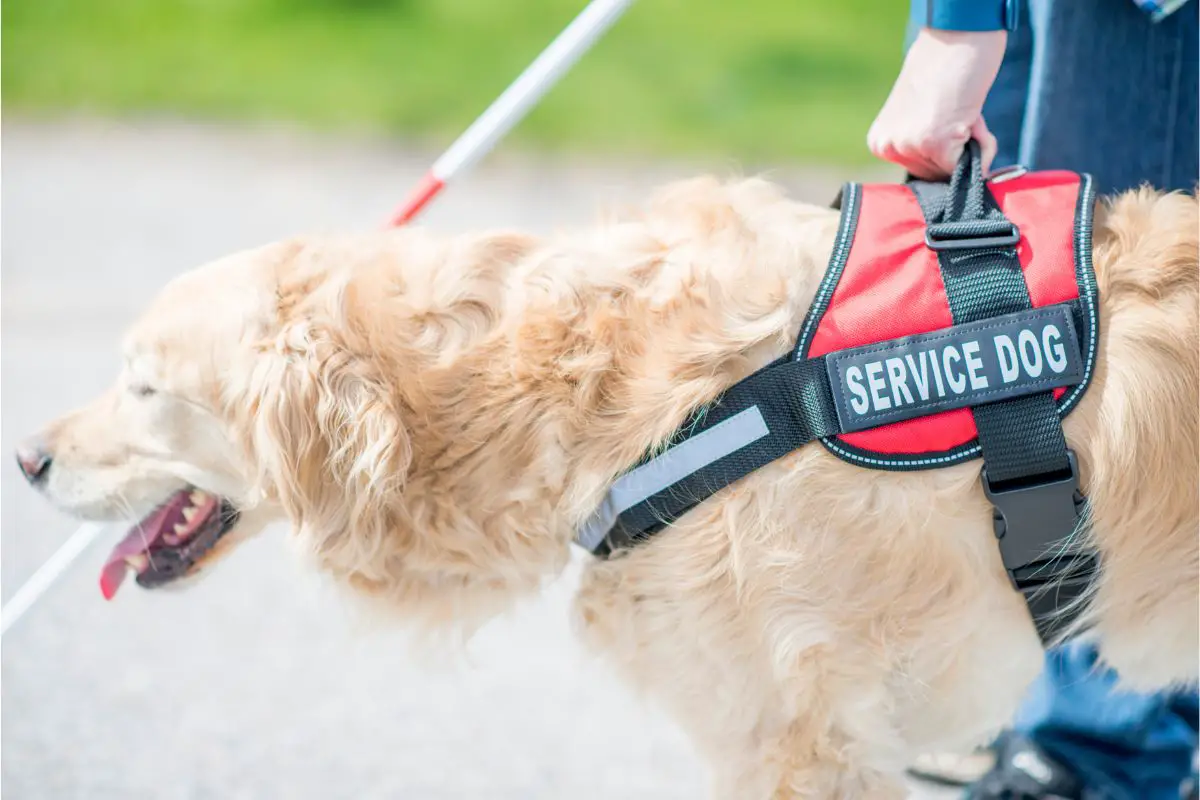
(1129, 745)
(1114, 94)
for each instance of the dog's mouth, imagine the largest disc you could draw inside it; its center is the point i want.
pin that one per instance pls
(169, 541)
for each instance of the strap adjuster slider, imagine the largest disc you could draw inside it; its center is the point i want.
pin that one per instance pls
(973, 235)
(1029, 517)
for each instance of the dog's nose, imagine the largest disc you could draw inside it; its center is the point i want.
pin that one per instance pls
(34, 460)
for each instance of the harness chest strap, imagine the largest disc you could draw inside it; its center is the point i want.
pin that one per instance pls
(996, 348)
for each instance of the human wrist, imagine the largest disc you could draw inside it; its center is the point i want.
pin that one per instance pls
(967, 53)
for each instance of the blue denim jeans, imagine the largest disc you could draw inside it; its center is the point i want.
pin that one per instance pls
(1097, 87)
(1124, 746)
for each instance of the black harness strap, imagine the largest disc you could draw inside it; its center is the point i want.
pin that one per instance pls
(790, 403)
(1029, 474)
(976, 247)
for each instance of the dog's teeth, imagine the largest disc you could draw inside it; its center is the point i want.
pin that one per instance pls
(180, 530)
(198, 498)
(138, 561)
(189, 514)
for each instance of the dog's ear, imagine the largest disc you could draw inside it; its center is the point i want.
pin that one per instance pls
(327, 435)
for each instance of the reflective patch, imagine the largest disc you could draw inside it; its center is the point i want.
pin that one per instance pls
(964, 365)
(672, 466)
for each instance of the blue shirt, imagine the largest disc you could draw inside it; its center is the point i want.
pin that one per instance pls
(998, 15)
(964, 15)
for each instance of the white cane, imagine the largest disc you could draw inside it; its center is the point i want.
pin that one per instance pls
(499, 118)
(47, 574)
(508, 109)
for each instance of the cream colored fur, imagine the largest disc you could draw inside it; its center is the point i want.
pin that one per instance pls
(437, 415)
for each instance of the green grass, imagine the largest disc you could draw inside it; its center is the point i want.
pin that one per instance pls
(752, 79)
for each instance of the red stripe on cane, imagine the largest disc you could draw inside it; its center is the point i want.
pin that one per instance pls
(422, 193)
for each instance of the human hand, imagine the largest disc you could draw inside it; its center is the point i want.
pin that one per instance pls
(936, 104)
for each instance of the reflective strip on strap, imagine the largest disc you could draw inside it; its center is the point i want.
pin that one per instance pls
(677, 463)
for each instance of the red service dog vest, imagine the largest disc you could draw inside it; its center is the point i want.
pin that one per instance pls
(955, 320)
(903, 374)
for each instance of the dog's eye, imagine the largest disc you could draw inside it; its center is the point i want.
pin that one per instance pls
(142, 390)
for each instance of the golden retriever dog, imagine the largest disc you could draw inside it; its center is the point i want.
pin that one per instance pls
(436, 416)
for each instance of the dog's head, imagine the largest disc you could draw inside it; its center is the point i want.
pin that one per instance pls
(289, 382)
(240, 400)
(162, 445)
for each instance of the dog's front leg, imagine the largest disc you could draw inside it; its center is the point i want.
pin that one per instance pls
(786, 767)
(769, 726)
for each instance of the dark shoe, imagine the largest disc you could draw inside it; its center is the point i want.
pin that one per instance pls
(1024, 771)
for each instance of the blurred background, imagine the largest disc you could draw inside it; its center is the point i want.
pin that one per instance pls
(790, 80)
(143, 137)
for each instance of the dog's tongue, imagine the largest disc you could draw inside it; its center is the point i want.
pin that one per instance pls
(135, 544)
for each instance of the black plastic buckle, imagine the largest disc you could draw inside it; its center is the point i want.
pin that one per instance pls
(1030, 518)
(943, 236)
(1053, 591)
